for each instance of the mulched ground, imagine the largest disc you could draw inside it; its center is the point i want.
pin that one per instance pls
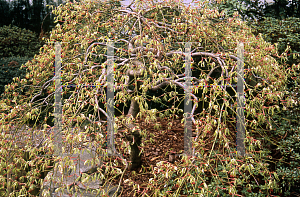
(166, 142)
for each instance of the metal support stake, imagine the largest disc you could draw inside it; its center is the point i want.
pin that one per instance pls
(240, 125)
(187, 102)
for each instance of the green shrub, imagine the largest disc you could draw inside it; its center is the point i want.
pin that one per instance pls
(15, 41)
(285, 151)
(10, 68)
(284, 32)
(288, 148)
(283, 143)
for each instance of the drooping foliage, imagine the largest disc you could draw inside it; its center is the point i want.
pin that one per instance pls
(149, 56)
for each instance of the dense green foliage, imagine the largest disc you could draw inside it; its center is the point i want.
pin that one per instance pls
(281, 9)
(286, 33)
(287, 151)
(9, 68)
(255, 9)
(18, 42)
(17, 46)
(246, 9)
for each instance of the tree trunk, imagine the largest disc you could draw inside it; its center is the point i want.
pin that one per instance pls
(134, 138)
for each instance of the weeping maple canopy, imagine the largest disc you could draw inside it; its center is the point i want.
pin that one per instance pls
(149, 56)
(149, 66)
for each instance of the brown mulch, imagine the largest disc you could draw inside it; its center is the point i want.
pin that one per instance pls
(166, 142)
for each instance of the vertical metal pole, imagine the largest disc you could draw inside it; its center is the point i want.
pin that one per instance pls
(57, 97)
(110, 98)
(57, 139)
(187, 102)
(240, 102)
